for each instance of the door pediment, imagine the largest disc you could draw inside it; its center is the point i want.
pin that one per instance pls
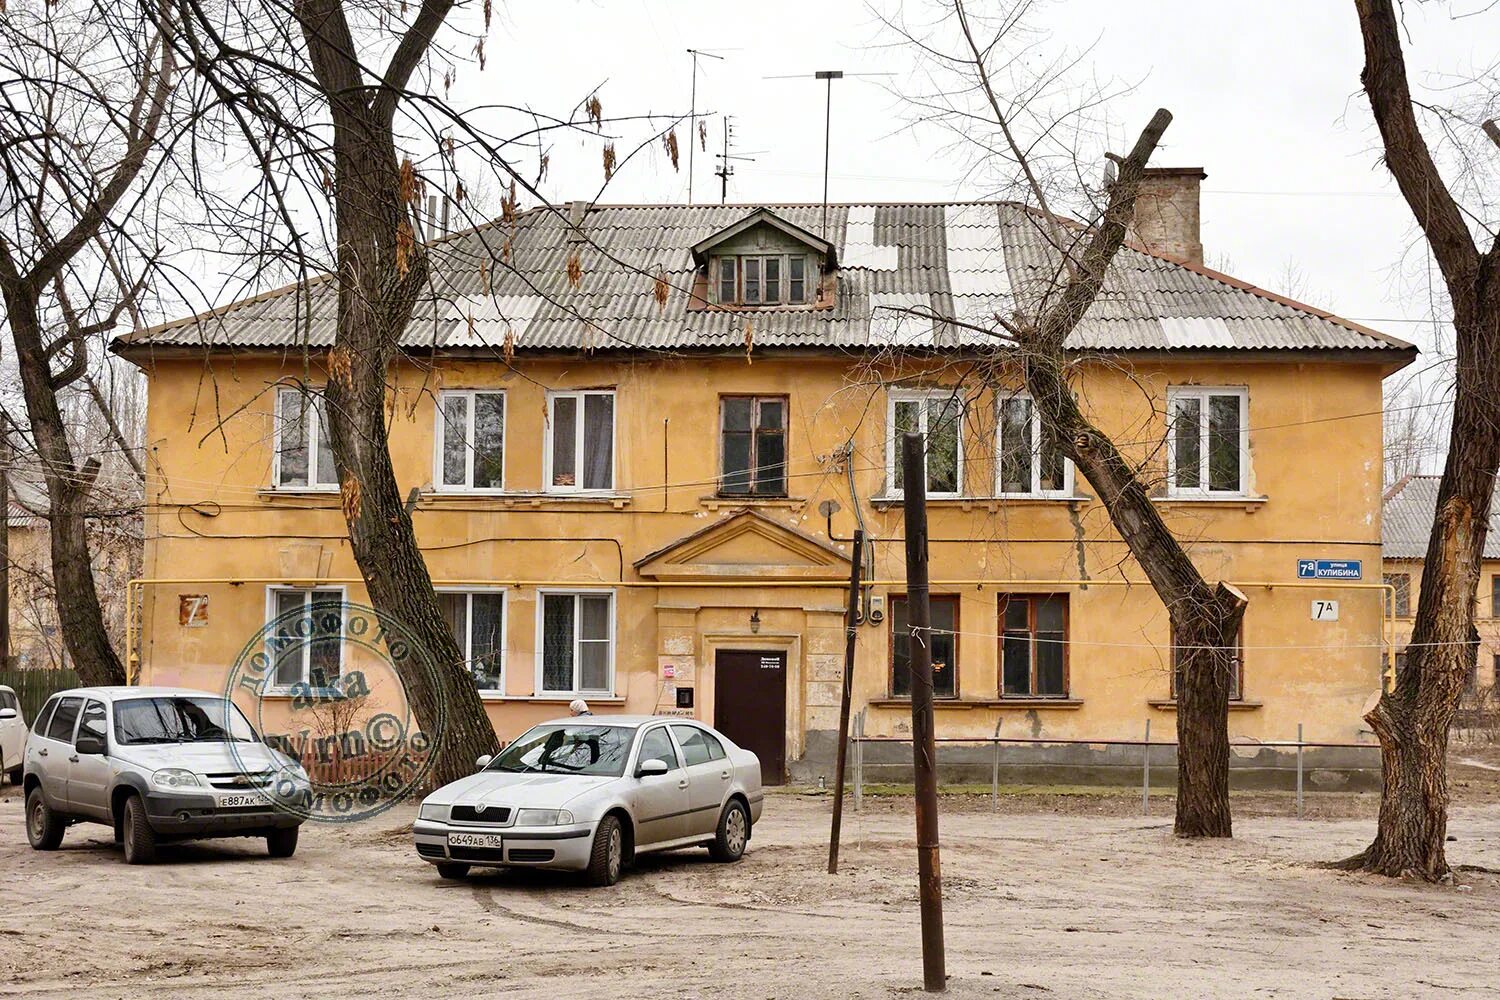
(746, 544)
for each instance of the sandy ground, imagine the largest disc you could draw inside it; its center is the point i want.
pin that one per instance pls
(1053, 896)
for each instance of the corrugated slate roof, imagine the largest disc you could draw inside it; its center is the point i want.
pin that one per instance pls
(1409, 510)
(968, 261)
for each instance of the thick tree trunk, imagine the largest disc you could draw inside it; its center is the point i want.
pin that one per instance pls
(381, 271)
(68, 486)
(1206, 656)
(1412, 719)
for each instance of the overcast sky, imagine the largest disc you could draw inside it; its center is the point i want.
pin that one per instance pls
(1266, 97)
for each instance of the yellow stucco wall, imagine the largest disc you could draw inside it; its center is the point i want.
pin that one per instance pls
(1486, 615)
(1318, 471)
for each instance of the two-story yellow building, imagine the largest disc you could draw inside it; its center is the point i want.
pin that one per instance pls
(638, 440)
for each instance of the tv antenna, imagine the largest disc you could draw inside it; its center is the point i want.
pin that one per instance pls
(828, 75)
(726, 167)
(693, 111)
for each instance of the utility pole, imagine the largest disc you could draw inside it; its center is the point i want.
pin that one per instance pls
(851, 636)
(923, 740)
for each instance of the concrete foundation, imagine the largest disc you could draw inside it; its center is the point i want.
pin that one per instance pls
(1264, 768)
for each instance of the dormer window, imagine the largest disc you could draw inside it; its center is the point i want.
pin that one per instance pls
(764, 260)
(760, 280)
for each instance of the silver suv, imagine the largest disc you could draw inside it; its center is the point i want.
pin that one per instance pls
(157, 764)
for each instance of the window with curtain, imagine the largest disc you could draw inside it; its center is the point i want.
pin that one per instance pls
(938, 414)
(304, 456)
(944, 646)
(1034, 645)
(753, 445)
(577, 643)
(307, 644)
(581, 446)
(471, 432)
(477, 619)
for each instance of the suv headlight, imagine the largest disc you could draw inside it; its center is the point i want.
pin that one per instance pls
(432, 810)
(543, 817)
(175, 778)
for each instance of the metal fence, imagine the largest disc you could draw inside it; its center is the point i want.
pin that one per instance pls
(858, 742)
(34, 687)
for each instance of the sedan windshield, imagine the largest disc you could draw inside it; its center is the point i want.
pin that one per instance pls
(568, 749)
(180, 720)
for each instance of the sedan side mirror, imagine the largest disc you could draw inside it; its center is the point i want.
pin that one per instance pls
(650, 767)
(90, 744)
(482, 761)
(7, 713)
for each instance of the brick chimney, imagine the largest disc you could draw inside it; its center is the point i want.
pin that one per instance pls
(1166, 212)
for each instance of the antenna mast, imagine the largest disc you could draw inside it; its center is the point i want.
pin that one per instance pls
(693, 113)
(726, 168)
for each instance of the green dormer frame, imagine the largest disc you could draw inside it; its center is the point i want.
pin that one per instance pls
(763, 261)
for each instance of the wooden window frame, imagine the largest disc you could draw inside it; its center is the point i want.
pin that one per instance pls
(1203, 393)
(466, 642)
(783, 280)
(1033, 600)
(756, 399)
(305, 652)
(1236, 695)
(890, 676)
(441, 427)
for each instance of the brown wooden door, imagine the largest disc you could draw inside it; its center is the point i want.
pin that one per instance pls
(750, 706)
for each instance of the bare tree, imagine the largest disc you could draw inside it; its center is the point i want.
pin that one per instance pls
(1412, 719)
(1016, 133)
(76, 146)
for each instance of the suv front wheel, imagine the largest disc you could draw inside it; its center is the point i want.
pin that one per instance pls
(282, 843)
(139, 839)
(44, 828)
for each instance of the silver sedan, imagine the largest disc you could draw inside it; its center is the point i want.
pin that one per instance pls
(590, 794)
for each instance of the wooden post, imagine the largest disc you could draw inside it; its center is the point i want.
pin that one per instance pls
(1299, 770)
(923, 739)
(851, 634)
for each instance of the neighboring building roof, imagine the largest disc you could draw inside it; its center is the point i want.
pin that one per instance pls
(28, 503)
(1406, 520)
(966, 260)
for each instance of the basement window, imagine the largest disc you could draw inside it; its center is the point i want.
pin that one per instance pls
(944, 639)
(471, 440)
(1033, 645)
(303, 454)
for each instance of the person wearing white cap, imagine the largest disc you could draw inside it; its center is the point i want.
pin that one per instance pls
(579, 707)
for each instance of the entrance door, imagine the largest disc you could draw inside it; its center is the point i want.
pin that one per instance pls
(750, 706)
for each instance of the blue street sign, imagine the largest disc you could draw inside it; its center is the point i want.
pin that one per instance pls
(1329, 569)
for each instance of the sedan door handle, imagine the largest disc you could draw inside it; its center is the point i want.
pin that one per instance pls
(42, 752)
(724, 775)
(74, 758)
(683, 783)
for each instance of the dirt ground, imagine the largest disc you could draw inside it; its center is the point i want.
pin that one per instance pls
(1055, 895)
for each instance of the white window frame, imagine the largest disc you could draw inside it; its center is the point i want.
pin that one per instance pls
(1036, 454)
(467, 645)
(578, 426)
(440, 426)
(891, 457)
(314, 398)
(1202, 393)
(541, 613)
(271, 686)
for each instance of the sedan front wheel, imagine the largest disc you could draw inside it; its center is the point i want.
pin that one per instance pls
(608, 856)
(733, 833)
